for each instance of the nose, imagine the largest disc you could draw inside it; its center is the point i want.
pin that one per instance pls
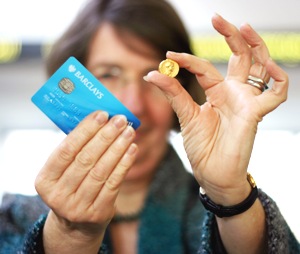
(134, 98)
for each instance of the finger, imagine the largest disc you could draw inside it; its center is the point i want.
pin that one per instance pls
(240, 60)
(179, 99)
(63, 156)
(99, 175)
(259, 49)
(88, 157)
(113, 183)
(207, 75)
(272, 98)
(260, 52)
(258, 70)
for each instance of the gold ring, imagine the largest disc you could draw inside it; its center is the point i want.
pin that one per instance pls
(257, 82)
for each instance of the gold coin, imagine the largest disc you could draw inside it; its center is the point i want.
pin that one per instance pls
(169, 68)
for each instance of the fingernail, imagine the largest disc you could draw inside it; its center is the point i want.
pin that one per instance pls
(101, 117)
(128, 132)
(149, 75)
(132, 149)
(119, 121)
(172, 53)
(146, 78)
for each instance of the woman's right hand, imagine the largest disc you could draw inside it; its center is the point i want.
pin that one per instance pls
(81, 179)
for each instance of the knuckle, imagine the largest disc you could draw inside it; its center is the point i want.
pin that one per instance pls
(96, 175)
(117, 150)
(85, 132)
(84, 159)
(105, 138)
(284, 97)
(126, 162)
(66, 151)
(75, 215)
(38, 184)
(54, 200)
(114, 181)
(107, 135)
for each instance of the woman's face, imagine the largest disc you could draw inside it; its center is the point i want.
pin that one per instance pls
(121, 69)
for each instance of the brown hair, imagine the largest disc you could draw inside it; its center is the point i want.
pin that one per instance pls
(153, 21)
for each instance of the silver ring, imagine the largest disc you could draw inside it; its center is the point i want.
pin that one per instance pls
(257, 82)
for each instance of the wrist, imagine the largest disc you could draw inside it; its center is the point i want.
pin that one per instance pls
(230, 210)
(59, 236)
(229, 195)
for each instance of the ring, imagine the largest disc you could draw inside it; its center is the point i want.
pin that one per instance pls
(257, 82)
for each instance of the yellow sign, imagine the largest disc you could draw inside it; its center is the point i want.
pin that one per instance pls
(283, 47)
(9, 50)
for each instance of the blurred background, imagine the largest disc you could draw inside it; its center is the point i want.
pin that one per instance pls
(27, 137)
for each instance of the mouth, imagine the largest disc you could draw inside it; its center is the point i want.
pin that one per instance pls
(140, 133)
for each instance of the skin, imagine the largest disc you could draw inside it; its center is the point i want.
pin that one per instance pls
(106, 50)
(85, 177)
(136, 94)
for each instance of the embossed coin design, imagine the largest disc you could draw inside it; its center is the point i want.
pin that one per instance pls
(169, 68)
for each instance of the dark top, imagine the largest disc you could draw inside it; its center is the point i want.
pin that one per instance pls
(173, 220)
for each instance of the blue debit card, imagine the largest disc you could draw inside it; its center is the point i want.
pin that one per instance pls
(72, 93)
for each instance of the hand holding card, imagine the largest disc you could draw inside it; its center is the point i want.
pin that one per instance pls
(72, 93)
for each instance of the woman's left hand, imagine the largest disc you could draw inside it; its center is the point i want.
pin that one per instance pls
(219, 135)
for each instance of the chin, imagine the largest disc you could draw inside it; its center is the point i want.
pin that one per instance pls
(135, 173)
(143, 167)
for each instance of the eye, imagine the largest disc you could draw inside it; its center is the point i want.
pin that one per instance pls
(104, 73)
(110, 76)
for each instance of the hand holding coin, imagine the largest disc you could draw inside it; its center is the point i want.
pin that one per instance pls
(169, 68)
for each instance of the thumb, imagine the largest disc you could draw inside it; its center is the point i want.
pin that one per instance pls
(179, 99)
(278, 93)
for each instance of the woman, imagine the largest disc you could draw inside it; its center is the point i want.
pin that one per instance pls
(115, 190)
